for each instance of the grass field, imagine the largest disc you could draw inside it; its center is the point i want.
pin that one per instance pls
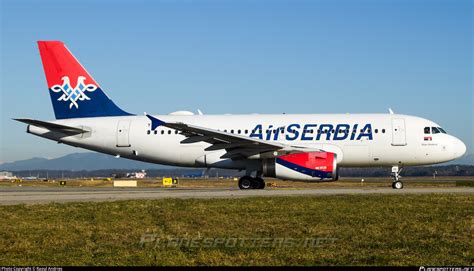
(349, 230)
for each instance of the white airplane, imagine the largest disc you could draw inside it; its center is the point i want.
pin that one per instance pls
(287, 146)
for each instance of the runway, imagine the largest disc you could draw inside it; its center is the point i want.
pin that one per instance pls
(42, 195)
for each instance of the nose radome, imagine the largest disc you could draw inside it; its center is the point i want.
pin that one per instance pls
(459, 148)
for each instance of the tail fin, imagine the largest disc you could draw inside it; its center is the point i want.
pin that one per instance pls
(74, 93)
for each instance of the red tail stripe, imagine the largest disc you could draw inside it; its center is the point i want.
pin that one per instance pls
(59, 62)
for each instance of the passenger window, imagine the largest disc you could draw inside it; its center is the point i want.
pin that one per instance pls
(148, 132)
(383, 131)
(435, 130)
(376, 130)
(427, 130)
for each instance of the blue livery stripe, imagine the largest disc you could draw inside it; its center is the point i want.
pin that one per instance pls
(154, 122)
(304, 170)
(70, 104)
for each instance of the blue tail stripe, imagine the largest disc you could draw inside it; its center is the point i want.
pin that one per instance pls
(89, 104)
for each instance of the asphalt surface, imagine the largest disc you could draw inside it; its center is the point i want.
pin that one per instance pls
(41, 195)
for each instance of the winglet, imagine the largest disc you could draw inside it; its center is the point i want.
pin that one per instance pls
(154, 121)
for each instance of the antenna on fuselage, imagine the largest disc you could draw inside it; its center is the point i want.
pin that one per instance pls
(390, 111)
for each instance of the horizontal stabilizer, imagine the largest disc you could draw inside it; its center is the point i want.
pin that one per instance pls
(53, 126)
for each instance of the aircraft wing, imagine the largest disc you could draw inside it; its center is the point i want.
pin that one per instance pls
(237, 146)
(52, 126)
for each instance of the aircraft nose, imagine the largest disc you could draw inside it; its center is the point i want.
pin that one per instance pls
(459, 148)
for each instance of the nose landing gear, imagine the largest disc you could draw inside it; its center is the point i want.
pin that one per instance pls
(396, 183)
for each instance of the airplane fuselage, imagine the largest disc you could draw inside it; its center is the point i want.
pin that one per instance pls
(362, 140)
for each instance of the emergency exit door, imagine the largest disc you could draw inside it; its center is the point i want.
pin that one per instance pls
(123, 131)
(398, 132)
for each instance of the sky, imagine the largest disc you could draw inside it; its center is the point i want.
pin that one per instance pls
(334, 56)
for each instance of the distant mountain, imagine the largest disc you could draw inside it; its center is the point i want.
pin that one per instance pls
(79, 161)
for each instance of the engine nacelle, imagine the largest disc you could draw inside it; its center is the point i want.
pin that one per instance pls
(305, 166)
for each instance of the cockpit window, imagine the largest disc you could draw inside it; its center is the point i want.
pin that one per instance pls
(427, 130)
(442, 130)
(435, 130)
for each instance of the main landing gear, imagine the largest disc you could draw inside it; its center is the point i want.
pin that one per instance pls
(248, 182)
(396, 183)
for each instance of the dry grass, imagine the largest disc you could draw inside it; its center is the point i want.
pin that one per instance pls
(366, 229)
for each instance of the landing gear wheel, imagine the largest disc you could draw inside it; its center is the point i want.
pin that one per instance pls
(259, 183)
(397, 185)
(255, 183)
(246, 182)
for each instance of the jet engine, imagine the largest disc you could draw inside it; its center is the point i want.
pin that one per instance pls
(304, 166)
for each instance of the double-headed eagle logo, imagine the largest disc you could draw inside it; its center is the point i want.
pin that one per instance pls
(73, 94)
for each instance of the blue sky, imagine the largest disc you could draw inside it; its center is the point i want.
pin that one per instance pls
(244, 57)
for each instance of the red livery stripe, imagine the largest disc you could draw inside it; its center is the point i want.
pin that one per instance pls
(59, 62)
(322, 161)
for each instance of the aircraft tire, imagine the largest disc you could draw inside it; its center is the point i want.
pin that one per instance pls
(258, 183)
(246, 182)
(261, 183)
(397, 185)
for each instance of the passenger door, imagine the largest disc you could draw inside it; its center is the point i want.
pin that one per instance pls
(398, 132)
(123, 131)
